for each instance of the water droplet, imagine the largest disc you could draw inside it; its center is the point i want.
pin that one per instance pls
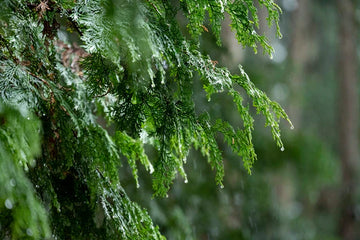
(292, 127)
(12, 182)
(282, 149)
(222, 186)
(29, 232)
(8, 204)
(33, 162)
(185, 181)
(37, 186)
(153, 85)
(167, 196)
(137, 185)
(28, 118)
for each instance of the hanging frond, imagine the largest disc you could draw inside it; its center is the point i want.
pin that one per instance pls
(100, 80)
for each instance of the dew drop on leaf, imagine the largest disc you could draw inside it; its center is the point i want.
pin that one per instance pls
(12, 182)
(8, 204)
(29, 232)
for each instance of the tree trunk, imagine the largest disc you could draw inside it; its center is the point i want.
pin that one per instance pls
(348, 112)
(299, 56)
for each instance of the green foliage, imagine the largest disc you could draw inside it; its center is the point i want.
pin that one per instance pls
(22, 213)
(134, 73)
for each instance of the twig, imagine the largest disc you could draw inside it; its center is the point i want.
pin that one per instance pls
(103, 95)
(153, 5)
(35, 76)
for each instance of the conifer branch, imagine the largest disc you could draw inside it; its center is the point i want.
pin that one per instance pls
(74, 23)
(136, 52)
(7, 47)
(17, 61)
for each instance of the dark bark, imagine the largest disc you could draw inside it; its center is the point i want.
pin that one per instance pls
(348, 121)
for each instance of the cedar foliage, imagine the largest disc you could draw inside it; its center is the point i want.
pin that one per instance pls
(68, 66)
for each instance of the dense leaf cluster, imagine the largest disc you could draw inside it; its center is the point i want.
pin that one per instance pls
(98, 80)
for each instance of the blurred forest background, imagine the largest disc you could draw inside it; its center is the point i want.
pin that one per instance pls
(308, 191)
